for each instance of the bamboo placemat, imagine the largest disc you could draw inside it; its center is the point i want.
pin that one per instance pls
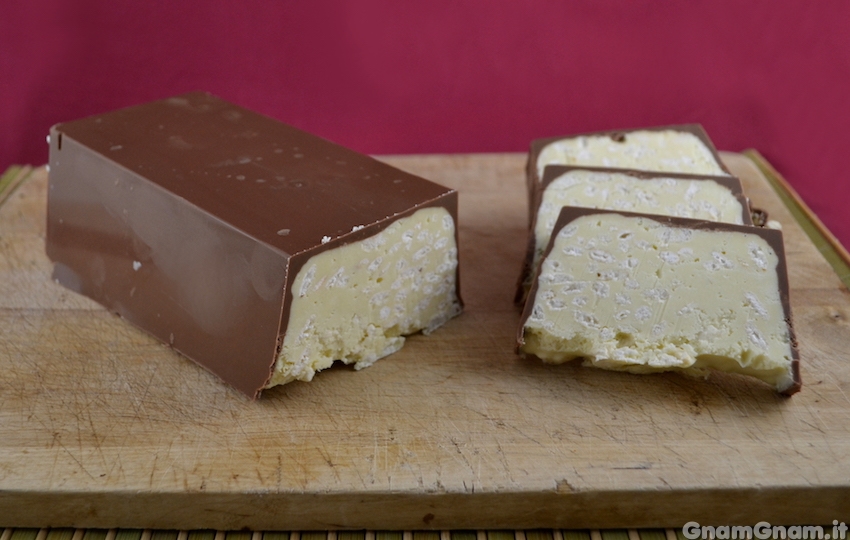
(148, 534)
(535, 534)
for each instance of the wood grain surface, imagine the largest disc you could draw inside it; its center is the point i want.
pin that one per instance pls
(102, 426)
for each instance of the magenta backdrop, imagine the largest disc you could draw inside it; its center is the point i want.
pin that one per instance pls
(439, 76)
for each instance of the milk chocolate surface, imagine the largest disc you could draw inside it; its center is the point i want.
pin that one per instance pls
(191, 216)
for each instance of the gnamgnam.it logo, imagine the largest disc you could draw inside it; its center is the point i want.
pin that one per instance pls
(764, 530)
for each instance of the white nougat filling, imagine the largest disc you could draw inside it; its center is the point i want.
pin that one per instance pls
(355, 303)
(647, 150)
(632, 294)
(696, 199)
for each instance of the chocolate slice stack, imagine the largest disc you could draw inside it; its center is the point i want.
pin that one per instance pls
(642, 256)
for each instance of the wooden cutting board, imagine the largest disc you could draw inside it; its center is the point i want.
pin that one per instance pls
(101, 426)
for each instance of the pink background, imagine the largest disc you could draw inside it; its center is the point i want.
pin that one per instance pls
(476, 76)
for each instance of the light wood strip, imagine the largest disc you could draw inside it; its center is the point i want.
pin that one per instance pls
(24, 533)
(538, 534)
(283, 535)
(13, 177)
(60, 534)
(575, 534)
(651, 534)
(823, 239)
(101, 534)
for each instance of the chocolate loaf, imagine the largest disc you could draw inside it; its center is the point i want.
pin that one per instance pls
(217, 229)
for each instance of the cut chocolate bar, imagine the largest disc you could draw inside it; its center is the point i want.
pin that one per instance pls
(715, 198)
(259, 251)
(645, 293)
(682, 148)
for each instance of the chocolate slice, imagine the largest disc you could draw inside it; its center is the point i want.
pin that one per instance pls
(217, 230)
(682, 148)
(646, 293)
(715, 198)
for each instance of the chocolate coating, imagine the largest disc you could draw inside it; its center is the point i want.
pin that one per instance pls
(533, 178)
(773, 238)
(189, 217)
(553, 172)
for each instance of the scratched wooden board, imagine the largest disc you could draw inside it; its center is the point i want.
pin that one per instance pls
(102, 426)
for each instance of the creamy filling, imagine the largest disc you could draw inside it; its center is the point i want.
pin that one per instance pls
(697, 199)
(355, 303)
(663, 150)
(631, 294)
